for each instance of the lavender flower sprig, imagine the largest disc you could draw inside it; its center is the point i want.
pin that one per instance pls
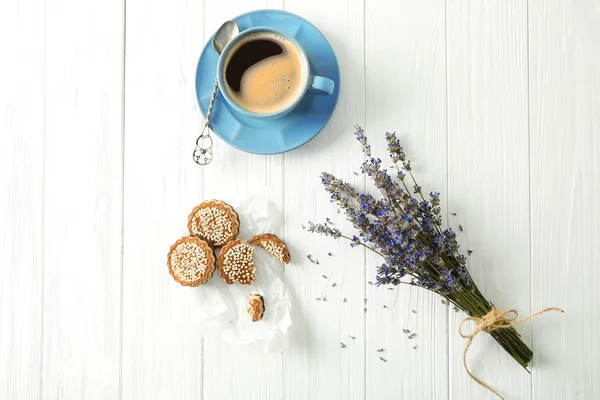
(406, 230)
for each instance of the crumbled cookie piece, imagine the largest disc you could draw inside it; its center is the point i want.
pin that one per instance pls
(256, 307)
(273, 245)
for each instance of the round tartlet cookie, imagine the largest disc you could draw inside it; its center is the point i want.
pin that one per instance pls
(273, 245)
(214, 221)
(256, 307)
(191, 261)
(235, 262)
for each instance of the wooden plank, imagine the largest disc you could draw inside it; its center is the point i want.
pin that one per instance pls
(162, 350)
(406, 92)
(489, 178)
(240, 372)
(565, 196)
(316, 365)
(21, 197)
(83, 199)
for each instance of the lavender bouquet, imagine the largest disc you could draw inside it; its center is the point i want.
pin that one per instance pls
(406, 230)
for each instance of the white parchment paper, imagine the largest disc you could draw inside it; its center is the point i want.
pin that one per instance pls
(222, 307)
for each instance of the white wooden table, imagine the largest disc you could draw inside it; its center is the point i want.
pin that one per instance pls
(497, 102)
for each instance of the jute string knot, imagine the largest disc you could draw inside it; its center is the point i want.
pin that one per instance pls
(494, 320)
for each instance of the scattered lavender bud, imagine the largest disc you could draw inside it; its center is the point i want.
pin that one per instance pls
(456, 309)
(414, 311)
(380, 350)
(343, 345)
(384, 306)
(329, 221)
(460, 228)
(330, 254)
(406, 331)
(343, 301)
(469, 252)
(412, 335)
(453, 213)
(318, 298)
(370, 283)
(351, 337)
(390, 288)
(365, 310)
(316, 261)
(303, 227)
(356, 173)
(382, 359)
(333, 284)
(414, 347)
(443, 301)
(324, 298)
(324, 276)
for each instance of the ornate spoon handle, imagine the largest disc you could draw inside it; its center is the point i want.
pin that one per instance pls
(203, 152)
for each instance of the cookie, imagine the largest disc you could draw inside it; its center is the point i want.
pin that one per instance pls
(235, 262)
(273, 245)
(191, 261)
(256, 307)
(215, 222)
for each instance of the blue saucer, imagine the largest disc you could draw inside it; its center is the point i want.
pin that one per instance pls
(292, 130)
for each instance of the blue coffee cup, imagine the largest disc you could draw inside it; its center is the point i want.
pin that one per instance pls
(309, 83)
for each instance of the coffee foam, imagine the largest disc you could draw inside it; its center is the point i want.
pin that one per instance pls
(272, 83)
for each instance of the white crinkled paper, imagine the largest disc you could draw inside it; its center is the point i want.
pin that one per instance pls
(222, 307)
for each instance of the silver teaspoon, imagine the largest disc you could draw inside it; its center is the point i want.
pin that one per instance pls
(203, 151)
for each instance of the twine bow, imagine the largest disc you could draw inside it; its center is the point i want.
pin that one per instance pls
(494, 320)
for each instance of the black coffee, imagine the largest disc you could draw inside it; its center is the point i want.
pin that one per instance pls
(264, 73)
(247, 55)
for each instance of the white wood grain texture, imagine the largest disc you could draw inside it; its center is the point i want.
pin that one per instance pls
(162, 350)
(83, 200)
(60, 323)
(316, 365)
(489, 178)
(237, 372)
(565, 196)
(21, 197)
(406, 93)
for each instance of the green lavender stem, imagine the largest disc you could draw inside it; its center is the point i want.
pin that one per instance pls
(475, 305)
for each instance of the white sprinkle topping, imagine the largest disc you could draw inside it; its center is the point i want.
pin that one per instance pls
(274, 248)
(189, 261)
(213, 224)
(238, 264)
